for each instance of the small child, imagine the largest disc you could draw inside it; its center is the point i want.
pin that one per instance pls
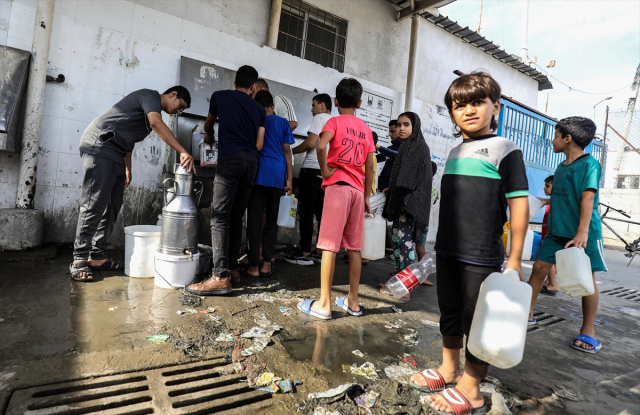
(574, 219)
(551, 286)
(345, 200)
(482, 176)
(274, 175)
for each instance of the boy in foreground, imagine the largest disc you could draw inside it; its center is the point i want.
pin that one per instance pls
(574, 219)
(345, 197)
(482, 176)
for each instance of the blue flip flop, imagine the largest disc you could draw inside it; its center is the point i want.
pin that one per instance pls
(589, 340)
(532, 322)
(340, 302)
(305, 307)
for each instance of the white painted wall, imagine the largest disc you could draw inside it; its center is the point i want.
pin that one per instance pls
(108, 48)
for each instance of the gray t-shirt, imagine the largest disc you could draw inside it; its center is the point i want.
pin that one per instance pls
(116, 131)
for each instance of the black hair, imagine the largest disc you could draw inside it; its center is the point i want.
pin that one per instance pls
(549, 179)
(375, 137)
(349, 93)
(393, 123)
(323, 99)
(581, 129)
(183, 93)
(246, 76)
(263, 83)
(264, 98)
(472, 87)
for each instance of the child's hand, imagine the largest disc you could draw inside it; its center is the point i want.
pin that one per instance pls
(515, 265)
(579, 241)
(288, 187)
(367, 206)
(328, 172)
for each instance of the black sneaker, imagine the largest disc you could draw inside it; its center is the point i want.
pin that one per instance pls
(316, 257)
(299, 259)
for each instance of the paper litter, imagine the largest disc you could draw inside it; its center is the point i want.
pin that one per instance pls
(257, 332)
(368, 370)
(217, 320)
(358, 353)
(399, 373)
(259, 343)
(430, 323)
(224, 338)
(265, 379)
(332, 393)
(320, 410)
(367, 400)
(262, 321)
(396, 309)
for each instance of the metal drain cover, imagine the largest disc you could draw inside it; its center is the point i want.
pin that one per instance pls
(205, 387)
(621, 292)
(544, 320)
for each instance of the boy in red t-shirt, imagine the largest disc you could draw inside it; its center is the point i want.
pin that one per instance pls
(345, 200)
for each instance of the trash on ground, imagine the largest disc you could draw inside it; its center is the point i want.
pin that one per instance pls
(411, 339)
(217, 320)
(407, 358)
(223, 337)
(191, 300)
(396, 309)
(286, 386)
(430, 323)
(320, 410)
(257, 332)
(262, 321)
(493, 380)
(158, 338)
(367, 400)
(112, 308)
(264, 379)
(208, 310)
(273, 388)
(284, 310)
(358, 353)
(332, 395)
(250, 298)
(368, 370)
(399, 373)
(498, 405)
(569, 394)
(391, 326)
(259, 343)
(382, 305)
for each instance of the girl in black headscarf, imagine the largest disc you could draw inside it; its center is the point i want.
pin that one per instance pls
(408, 202)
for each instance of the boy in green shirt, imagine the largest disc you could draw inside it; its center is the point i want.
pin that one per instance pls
(574, 219)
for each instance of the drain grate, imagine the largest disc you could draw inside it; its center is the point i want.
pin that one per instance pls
(206, 387)
(625, 293)
(544, 320)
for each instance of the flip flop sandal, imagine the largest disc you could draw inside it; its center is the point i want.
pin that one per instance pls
(78, 268)
(546, 291)
(340, 303)
(589, 340)
(305, 307)
(109, 265)
(435, 382)
(270, 273)
(459, 404)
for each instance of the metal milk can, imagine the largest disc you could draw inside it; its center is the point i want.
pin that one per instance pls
(179, 233)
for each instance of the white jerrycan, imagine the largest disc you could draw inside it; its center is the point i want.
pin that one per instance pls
(526, 249)
(499, 326)
(287, 211)
(534, 206)
(574, 274)
(373, 237)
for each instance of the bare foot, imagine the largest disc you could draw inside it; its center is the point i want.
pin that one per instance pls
(96, 262)
(83, 275)
(449, 377)
(427, 282)
(582, 344)
(253, 271)
(473, 395)
(266, 267)
(315, 306)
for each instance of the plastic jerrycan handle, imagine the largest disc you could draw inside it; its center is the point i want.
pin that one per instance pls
(511, 273)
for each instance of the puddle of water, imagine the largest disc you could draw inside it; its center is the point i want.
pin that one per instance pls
(630, 311)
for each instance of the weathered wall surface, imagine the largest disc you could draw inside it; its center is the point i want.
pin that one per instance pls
(106, 49)
(629, 202)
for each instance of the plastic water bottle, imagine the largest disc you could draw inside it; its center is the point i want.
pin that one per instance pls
(287, 211)
(409, 278)
(574, 272)
(499, 327)
(373, 236)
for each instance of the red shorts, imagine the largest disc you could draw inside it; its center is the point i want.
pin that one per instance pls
(342, 219)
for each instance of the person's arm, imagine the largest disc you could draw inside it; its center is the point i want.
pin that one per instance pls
(380, 158)
(321, 150)
(293, 125)
(307, 144)
(544, 201)
(260, 139)
(519, 208)
(127, 163)
(368, 182)
(209, 133)
(586, 210)
(165, 134)
(287, 156)
(386, 151)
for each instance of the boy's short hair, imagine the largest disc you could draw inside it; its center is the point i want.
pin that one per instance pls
(323, 99)
(581, 129)
(183, 93)
(264, 98)
(393, 123)
(246, 76)
(375, 138)
(263, 83)
(349, 93)
(470, 87)
(549, 179)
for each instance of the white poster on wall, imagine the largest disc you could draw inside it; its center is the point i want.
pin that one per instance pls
(376, 112)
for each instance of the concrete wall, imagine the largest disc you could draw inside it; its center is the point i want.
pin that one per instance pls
(629, 202)
(107, 49)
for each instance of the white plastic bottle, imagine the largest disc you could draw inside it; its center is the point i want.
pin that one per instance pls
(527, 248)
(574, 273)
(499, 327)
(534, 206)
(373, 237)
(287, 211)
(409, 278)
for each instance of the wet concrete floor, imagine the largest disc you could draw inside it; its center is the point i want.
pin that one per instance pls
(53, 329)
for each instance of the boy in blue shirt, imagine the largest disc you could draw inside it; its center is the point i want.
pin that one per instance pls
(574, 219)
(274, 175)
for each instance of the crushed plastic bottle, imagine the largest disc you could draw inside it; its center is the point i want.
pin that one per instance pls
(409, 278)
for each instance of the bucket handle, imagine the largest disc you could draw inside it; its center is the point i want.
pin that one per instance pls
(164, 192)
(200, 191)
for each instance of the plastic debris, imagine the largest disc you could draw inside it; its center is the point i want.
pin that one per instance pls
(259, 343)
(392, 326)
(399, 373)
(112, 308)
(336, 393)
(284, 310)
(396, 309)
(273, 388)
(208, 310)
(224, 338)
(367, 400)
(286, 386)
(498, 405)
(382, 305)
(262, 321)
(192, 300)
(407, 358)
(217, 320)
(411, 339)
(320, 410)
(257, 332)
(430, 323)
(368, 370)
(158, 338)
(569, 394)
(358, 353)
(264, 379)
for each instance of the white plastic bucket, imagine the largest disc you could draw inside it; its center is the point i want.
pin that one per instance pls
(174, 271)
(140, 242)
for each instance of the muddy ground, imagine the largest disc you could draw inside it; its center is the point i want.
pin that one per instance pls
(53, 329)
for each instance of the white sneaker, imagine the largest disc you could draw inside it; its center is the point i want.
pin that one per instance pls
(299, 259)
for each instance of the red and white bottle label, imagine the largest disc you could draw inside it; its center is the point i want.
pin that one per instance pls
(408, 279)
